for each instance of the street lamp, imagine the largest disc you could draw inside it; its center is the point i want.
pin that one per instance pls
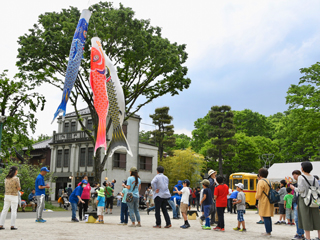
(2, 120)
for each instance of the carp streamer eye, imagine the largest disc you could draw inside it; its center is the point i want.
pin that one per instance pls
(95, 58)
(85, 34)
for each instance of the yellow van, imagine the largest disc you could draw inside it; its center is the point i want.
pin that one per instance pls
(249, 181)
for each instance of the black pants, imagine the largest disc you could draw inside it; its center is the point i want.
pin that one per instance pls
(84, 207)
(213, 217)
(198, 203)
(161, 203)
(109, 202)
(220, 211)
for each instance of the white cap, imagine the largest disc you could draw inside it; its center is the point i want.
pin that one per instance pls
(240, 185)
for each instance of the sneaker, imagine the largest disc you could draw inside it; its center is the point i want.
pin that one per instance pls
(121, 223)
(148, 211)
(236, 229)
(39, 221)
(97, 221)
(138, 225)
(156, 226)
(168, 226)
(260, 222)
(284, 222)
(243, 230)
(217, 229)
(74, 220)
(101, 222)
(222, 230)
(185, 226)
(293, 224)
(278, 222)
(297, 237)
(132, 225)
(206, 228)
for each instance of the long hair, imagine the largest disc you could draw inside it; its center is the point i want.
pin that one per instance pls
(12, 172)
(136, 176)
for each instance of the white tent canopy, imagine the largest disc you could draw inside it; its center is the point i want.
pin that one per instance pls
(279, 171)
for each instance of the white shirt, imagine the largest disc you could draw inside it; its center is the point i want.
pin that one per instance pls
(185, 195)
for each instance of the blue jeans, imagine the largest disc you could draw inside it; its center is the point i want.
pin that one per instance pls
(152, 208)
(124, 213)
(267, 224)
(174, 208)
(300, 231)
(74, 210)
(134, 209)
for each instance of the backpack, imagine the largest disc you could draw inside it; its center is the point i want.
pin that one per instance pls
(312, 199)
(273, 195)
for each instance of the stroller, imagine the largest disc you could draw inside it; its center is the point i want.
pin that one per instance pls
(142, 203)
(65, 199)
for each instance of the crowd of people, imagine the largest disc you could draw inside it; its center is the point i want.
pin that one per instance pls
(297, 201)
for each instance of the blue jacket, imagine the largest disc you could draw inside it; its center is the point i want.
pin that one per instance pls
(234, 194)
(30, 197)
(74, 195)
(179, 186)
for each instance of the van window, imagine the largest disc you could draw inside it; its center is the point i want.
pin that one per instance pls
(245, 183)
(230, 184)
(236, 181)
(251, 184)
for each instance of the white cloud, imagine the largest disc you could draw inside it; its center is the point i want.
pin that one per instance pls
(183, 131)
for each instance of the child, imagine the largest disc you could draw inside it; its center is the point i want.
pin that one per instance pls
(206, 202)
(220, 195)
(288, 206)
(119, 198)
(282, 193)
(100, 204)
(241, 207)
(124, 207)
(184, 202)
(202, 218)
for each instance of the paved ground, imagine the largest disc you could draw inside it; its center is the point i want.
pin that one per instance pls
(60, 227)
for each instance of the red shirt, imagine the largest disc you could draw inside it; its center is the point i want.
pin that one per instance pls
(194, 194)
(221, 191)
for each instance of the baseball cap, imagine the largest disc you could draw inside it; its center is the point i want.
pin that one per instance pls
(44, 169)
(187, 182)
(211, 171)
(240, 185)
(84, 181)
(206, 182)
(133, 169)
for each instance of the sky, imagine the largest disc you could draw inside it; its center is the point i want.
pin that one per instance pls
(245, 54)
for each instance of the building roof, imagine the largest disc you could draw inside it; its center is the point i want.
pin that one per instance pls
(279, 171)
(40, 145)
(86, 111)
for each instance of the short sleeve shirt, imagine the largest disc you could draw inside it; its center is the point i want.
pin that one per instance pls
(241, 196)
(109, 191)
(133, 188)
(288, 198)
(124, 191)
(185, 195)
(221, 192)
(11, 186)
(101, 202)
(208, 200)
(40, 182)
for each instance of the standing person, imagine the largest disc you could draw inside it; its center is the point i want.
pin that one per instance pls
(300, 231)
(109, 195)
(220, 195)
(198, 198)
(308, 217)
(12, 186)
(150, 200)
(69, 190)
(194, 197)
(162, 194)
(266, 209)
(206, 202)
(94, 195)
(119, 199)
(257, 204)
(184, 202)
(75, 198)
(173, 204)
(241, 207)
(134, 187)
(230, 201)
(282, 211)
(40, 187)
(83, 207)
(146, 194)
(31, 199)
(212, 180)
(288, 206)
(100, 205)
(124, 207)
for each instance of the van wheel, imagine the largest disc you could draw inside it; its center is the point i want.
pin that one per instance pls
(247, 206)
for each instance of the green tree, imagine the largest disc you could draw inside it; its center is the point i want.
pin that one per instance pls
(252, 123)
(163, 135)
(221, 119)
(19, 103)
(41, 138)
(149, 66)
(182, 141)
(146, 137)
(184, 164)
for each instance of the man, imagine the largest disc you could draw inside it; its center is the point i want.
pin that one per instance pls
(69, 190)
(212, 180)
(40, 188)
(31, 199)
(161, 196)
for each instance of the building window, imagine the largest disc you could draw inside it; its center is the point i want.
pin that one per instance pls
(124, 129)
(82, 157)
(66, 158)
(90, 156)
(119, 160)
(73, 126)
(59, 158)
(146, 163)
(89, 124)
(66, 127)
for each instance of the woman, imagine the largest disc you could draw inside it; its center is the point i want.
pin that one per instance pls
(266, 209)
(134, 187)
(308, 218)
(12, 186)
(83, 207)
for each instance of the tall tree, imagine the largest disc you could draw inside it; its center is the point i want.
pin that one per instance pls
(148, 65)
(221, 119)
(19, 103)
(163, 135)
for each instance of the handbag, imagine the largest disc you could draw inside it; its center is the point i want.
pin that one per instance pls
(129, 197)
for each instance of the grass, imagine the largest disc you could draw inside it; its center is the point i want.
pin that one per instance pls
(47, 206)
